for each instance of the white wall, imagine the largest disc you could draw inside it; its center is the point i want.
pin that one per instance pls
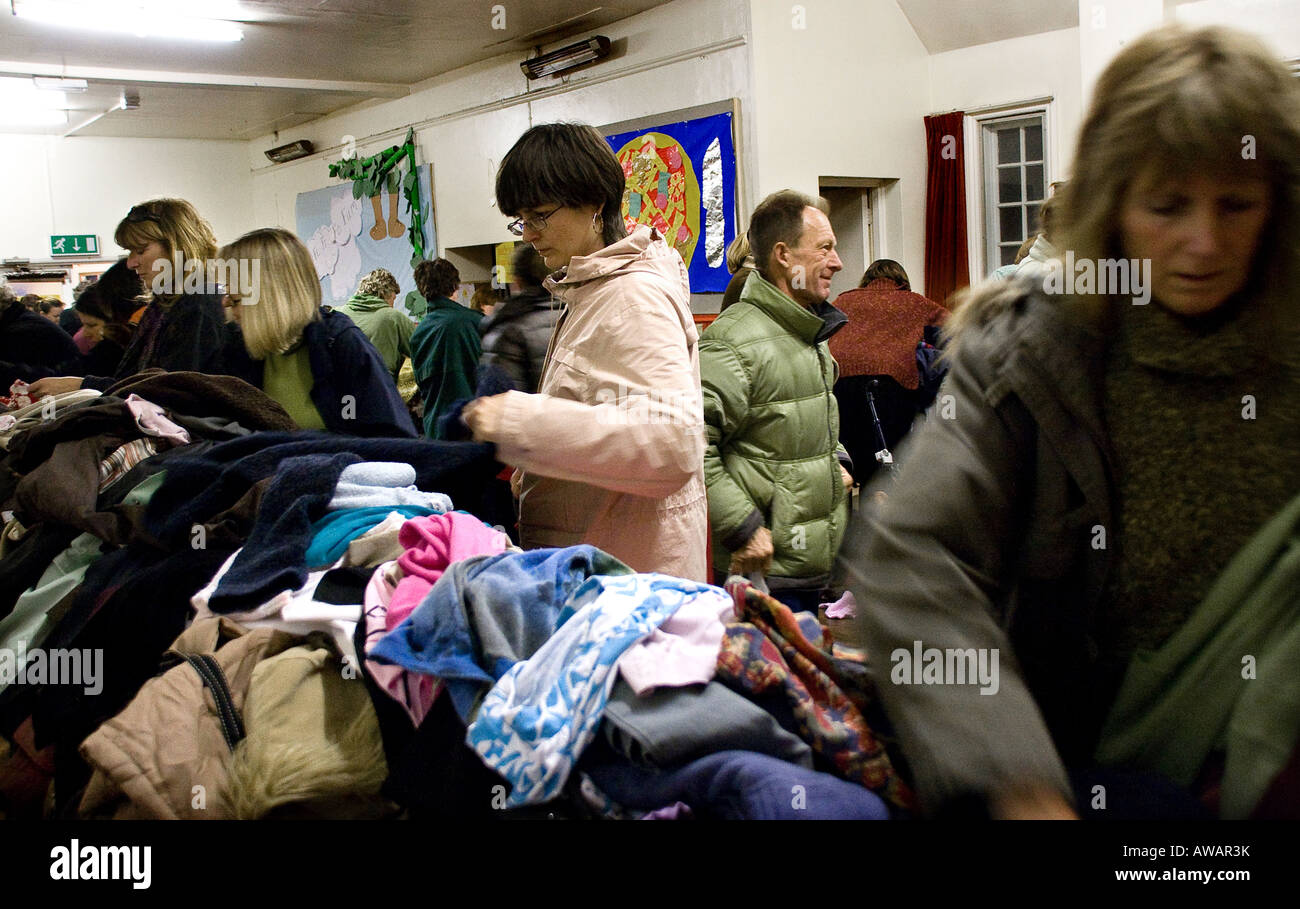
(1012, 71)
(844, 96)
(467, 120)
(1276, 22)
(86, 185)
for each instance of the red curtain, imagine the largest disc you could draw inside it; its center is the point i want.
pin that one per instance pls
(946, 265)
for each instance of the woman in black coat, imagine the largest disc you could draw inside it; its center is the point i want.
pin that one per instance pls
(170, 249)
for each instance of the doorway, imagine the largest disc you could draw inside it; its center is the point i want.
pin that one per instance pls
(852, 216)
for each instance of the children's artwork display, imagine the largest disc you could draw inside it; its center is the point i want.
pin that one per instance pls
(681, 180)
(349, 237)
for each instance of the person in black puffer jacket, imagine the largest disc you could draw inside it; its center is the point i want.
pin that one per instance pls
(517, 334)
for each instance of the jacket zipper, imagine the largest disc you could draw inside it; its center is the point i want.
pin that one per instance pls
(821, 370)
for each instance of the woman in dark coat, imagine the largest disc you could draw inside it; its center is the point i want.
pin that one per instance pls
(1102, 463)
(315, 362)
(182, 330)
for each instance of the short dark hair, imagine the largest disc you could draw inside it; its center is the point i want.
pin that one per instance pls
(437, 278)
(46, 305)
(886, 268)
(527, 266)
(95, 304)
(779, 219)
(563, 164)
(120, 289)
(32, 302)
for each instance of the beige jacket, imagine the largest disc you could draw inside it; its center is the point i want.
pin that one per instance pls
(612, 446)
(165, 757)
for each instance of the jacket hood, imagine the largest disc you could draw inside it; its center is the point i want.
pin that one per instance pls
(366, 302)
(644, 250)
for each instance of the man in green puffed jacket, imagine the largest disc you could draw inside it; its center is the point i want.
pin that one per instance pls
(778, 479)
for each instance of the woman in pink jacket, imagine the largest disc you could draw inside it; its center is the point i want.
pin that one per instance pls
(610, 451)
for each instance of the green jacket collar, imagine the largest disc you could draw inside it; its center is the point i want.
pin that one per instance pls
(813, 326)
(366, 303)
(445, 303)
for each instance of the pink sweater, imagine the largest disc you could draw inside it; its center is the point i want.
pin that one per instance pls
(432, 543)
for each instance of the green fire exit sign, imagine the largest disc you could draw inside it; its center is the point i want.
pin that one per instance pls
(74, 245)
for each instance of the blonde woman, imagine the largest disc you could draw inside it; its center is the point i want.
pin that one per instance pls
(180, 330)
(316, 362)
(740, 262)
(1101, 464)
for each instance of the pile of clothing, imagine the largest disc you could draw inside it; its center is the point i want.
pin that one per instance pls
(269, 622)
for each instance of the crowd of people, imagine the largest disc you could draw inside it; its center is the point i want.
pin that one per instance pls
(1093, 497)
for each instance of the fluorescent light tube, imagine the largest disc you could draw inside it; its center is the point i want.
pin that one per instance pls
(144, 20)
(56, 84)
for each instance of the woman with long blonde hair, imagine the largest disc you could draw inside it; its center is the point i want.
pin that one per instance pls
(315, 362)
(1115, 433)
(181, 330)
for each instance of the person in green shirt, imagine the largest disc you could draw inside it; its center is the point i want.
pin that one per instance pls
(371, 308)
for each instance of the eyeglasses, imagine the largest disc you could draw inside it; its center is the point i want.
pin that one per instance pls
(141, 213)
(536, 224)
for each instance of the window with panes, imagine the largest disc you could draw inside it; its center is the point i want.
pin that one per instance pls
(1015, 184)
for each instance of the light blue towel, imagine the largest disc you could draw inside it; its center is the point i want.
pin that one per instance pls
(384, 484)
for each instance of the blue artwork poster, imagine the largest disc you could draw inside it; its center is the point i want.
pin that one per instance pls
(681, 179)
(349, 238)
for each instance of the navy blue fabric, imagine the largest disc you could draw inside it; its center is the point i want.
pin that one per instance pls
(741, 786)
(800, 599)
(304, 468)
(1133, 795)
(343, 362)
(199, 488)
(274, 558)
(492, 380)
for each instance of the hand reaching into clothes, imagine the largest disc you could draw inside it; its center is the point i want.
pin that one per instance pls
(846, 478)
(483, 416)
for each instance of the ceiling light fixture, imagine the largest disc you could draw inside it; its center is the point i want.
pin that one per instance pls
(566, 58)
(56, 84)
(291, 152)
(196, 21)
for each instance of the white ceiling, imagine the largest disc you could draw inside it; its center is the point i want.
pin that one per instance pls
(299, 59)
(944, 25)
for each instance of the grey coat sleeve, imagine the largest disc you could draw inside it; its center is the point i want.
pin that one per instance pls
(935, 565)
